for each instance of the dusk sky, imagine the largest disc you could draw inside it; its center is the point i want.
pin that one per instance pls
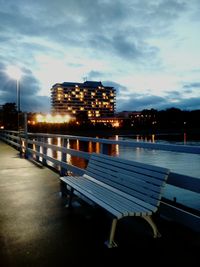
(149, 50)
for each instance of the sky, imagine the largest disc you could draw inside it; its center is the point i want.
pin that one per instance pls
(149, 50)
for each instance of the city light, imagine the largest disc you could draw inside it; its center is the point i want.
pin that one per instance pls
(14, 72)
(48, 118)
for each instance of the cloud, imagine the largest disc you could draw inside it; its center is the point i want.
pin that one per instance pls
(105, 26)
(93, 74)
(173, 94)
(140, 102)
(118, 87)
(192, 85)
(189, 103)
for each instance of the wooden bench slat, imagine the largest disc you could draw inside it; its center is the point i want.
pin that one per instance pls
(118, 178)
(121, 200)
(144, 204)
(130, 162)
(124, 206)
(128, 165)
(147, 205)
(130, 180)
(93, 198)
(141, 173)
(126, 189)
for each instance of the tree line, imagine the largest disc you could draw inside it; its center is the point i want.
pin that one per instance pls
(149, 119)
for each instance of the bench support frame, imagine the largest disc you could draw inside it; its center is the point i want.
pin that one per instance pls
(149, 219)
(110, 243)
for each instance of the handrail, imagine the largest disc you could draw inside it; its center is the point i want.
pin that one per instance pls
(165, 147)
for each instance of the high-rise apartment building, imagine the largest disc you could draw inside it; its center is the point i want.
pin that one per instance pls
(90, 97)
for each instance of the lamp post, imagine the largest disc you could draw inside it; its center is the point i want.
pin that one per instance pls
(15, 73)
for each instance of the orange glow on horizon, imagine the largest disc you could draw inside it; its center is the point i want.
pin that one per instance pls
(53, 118)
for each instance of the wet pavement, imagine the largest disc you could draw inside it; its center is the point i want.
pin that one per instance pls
(36, 229)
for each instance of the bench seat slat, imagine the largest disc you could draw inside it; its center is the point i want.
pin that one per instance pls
(116, 213)
(147, 205)
(130, 162)
(130, 180)
(117, 199)
(144, 204)
(124, 206)
(126, 165)
(143, 174)
(127, 190)
(141, 186)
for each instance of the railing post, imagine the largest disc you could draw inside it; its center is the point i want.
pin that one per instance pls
(20, 143)
(104, 149)
(26, 135)
(44, 151)
(37, 147)
(63, 156)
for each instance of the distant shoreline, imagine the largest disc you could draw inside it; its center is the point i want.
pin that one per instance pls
(195, 133)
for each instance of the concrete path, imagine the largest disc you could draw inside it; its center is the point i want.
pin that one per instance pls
(37, 230)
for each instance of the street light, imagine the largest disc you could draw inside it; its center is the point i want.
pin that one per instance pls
(15, 73)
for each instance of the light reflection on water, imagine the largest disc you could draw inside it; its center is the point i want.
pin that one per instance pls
(183, 163)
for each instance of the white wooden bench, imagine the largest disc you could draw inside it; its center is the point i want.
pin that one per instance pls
(122, 187)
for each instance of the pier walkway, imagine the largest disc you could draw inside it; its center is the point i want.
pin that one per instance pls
(37, 230)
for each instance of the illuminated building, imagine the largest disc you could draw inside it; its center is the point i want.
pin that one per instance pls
(90, 98)
(113, 121)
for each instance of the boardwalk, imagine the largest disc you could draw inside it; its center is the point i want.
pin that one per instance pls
(37, 230)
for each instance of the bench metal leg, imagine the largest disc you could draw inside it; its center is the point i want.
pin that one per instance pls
(111, 243)
(63, 189)
(153, 226)
(69, 204)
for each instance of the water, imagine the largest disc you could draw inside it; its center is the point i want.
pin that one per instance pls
(183, 163)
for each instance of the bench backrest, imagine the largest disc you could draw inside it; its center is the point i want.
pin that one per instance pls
(141, 180)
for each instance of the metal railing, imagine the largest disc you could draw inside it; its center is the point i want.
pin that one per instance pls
(37, 147)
